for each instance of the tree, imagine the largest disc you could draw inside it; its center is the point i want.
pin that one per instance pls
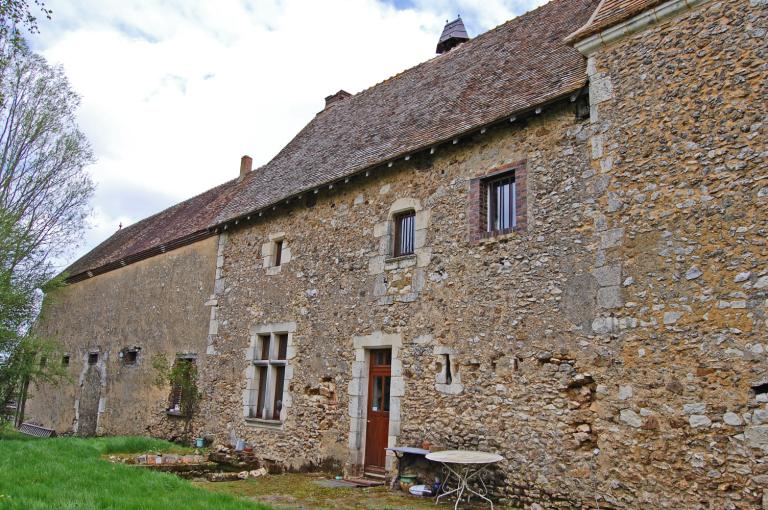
(16, 15)
(44, 193)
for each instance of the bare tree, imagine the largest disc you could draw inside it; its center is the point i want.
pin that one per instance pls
(44, 193)
(44, 188)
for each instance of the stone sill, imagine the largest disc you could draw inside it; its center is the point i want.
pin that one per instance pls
(500, 237)
(264, 424)
(390, 260)
(176, 414)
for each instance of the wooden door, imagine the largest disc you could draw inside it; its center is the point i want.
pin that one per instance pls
(377, 426)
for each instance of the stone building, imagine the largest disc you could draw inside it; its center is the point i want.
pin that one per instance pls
(548, 241)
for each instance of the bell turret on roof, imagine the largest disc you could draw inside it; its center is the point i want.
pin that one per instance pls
(454, 34)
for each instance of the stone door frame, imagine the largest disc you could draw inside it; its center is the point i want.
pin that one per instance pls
(358, 396)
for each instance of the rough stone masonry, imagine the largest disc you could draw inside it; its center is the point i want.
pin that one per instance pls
(612, 346)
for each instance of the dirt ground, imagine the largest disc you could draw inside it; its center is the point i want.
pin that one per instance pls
(297, 491)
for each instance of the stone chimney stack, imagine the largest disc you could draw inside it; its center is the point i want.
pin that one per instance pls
(335, 98)
(453, 34)
(246, 165)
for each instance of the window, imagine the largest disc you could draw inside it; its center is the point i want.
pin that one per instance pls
(93, 358)
(278, 253)
(130, 357)
(270, 364)
(275, 253)
(448, 375)
(501, 203)
(404, 233)
(498, 202)
(43, 361)
(65, 360)
(183, 389)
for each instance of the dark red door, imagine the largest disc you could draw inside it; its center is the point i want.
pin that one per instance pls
(377, 427)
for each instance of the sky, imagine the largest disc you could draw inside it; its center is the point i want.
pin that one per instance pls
(174, 92)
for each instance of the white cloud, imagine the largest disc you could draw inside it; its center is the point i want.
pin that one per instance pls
(174, 92)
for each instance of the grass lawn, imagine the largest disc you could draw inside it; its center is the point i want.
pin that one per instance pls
(298, 492)
(68, 473)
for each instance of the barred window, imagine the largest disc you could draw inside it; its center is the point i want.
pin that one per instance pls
(405, 224)
(501, 206)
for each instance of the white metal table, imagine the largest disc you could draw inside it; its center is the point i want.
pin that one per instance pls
(465, 466)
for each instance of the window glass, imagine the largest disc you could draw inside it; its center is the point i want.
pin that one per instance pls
(278, 403)
(262, 376)
(385, 398)
(282, 346)
(265, 342)
(382, 357)
(378, 386)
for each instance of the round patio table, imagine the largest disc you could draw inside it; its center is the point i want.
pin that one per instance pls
(465, 466)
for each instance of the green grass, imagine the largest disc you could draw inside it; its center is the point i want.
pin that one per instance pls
(68, 474)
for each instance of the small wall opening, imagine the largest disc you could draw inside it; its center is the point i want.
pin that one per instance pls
(130, 357)
(278, 251)
(93, 358)
(760, 388)
(65, 360)
(448, 377)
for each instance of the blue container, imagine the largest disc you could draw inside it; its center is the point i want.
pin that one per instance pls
(199, 442)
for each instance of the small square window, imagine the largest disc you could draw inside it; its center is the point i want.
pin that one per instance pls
(65, 360)
(93, 358)
(130, 357)
(405, 224)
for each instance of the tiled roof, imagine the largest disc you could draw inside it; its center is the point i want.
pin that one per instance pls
(518, 65)
(512, 68)
(187, 219)
(609, 13)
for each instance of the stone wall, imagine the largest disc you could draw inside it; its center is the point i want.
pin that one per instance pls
(156, 306)
(679, 118)
(611, 348)
(512, 313)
